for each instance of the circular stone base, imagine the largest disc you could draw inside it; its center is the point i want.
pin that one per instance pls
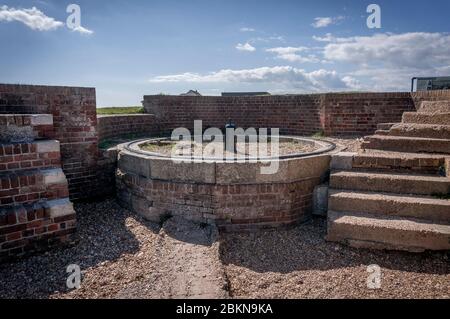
(234, 196)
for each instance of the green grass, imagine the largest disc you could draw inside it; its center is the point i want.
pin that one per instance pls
(319, 134)
(110, 142)
(120, 110)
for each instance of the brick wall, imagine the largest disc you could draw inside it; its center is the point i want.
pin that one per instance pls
(26, 127)
(27, 186)
(120, 125)
(333, 113)
(75, 120)
(33, 228)
(35, 211)
(36, 154)
(231, 207)
(293, 114)
(418, 97)
(349, 114)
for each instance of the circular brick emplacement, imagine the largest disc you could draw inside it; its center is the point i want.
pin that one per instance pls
(235, 196)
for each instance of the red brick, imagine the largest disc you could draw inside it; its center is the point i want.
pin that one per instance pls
(34, 224)
(14, 236)
(5, 183)
(14, 180)
(52, 228)
(12, 229)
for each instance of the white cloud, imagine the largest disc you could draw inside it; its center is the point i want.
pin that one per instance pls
(291, 54)
(411, 50)
(245, 47)
(246, 29)
(387, 62)
(323, 22)
(351, 82)
(287, 50)
(327, 38)
(33, 18)
(286, 76)
(83, 30)
(267, 39)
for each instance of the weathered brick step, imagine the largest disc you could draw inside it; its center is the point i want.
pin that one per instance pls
(385, 126)
(31, 185)
(426, 118)
(407, 144)
(421, 130)
(364, 230)
(26, 127)
(28, 227)
(390, 183)
(427, 208)
(391, 161)
(37, 154)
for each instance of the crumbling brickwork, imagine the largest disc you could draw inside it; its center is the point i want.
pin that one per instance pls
(35, 211)
(74, 124)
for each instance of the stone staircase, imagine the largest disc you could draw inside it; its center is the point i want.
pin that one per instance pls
(395, 193)
(35, 211)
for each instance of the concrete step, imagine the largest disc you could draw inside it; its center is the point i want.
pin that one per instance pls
(390, 183)
(382, 132)
(385, 126)
(391, 161)
(426, 118)
(421, 130)
(364, 230)
(421, 207)
(434, 107)
(407, 144)
(29, 186)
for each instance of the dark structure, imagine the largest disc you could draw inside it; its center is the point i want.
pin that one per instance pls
(245, 93)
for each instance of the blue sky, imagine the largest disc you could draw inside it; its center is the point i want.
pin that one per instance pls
(150, 47)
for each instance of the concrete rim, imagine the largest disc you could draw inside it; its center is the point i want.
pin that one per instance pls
(325, 147)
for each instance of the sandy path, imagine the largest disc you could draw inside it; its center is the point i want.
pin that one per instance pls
(187, 265)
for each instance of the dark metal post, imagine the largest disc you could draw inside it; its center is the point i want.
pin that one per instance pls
(230, 146)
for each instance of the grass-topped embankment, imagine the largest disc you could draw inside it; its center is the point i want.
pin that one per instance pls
(120, 110)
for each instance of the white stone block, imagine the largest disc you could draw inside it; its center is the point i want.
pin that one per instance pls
(41, 119)
(54, 176)
(342, 160)
(47, 146)
(59, 207)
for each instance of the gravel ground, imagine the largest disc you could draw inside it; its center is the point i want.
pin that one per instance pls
(284, 148)
(115, 248)
(123, 256)
(299, 263)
